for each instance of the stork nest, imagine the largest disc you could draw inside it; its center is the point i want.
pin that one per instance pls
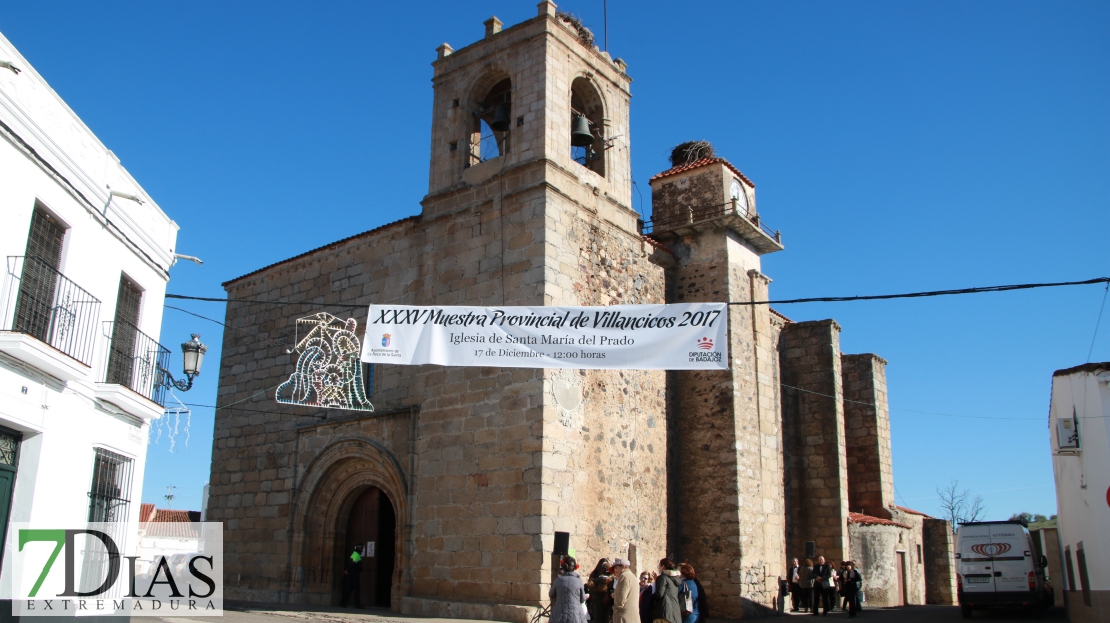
(691, 151)
(584, 34)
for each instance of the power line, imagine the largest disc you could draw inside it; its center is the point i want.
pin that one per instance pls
(822, 299)
(254, 333)
(1100, 310)
(225, 300)
(908, 295)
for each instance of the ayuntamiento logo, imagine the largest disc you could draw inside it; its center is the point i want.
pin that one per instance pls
(162, 569)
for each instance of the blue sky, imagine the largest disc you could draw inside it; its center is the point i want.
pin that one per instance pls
(898, 146)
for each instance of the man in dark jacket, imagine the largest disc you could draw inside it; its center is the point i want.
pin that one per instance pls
(352, 576)
(795, 587)
(822, 595)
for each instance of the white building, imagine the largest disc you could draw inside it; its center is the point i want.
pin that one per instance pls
(1079, 427)
(83, 284)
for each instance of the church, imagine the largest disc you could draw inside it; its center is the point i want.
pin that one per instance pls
(465, 484)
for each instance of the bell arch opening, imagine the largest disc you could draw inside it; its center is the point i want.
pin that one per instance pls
(587, 130)
(491, 121)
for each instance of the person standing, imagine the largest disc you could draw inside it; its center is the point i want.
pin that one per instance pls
(853, 583)
(822, 594)
(600, 604)
(647, 589)
(567, 594)
(841, 586)
(626, 593)
(689, 585)
(664, 606)
(795, 585)
(352, 576)
(805, 582)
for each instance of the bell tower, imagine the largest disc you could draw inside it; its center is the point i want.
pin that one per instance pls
(530, 199)
(533, 103)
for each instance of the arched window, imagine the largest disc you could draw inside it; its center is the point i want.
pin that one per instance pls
(489, 133)
(587, 143)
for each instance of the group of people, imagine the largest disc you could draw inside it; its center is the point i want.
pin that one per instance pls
(822, 586)
(612, 594)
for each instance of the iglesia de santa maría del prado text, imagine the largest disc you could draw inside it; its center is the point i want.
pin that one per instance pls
(468, 480)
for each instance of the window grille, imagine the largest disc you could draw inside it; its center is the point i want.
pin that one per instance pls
(39, 278)
(110, 495)
(9, 449)
(125, 333)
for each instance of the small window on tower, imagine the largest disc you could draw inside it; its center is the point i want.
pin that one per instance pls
(587, 140)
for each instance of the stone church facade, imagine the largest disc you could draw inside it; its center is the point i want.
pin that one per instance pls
(463, 477)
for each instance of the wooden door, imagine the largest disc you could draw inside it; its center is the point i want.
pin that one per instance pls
(901, 574)
(372, 524)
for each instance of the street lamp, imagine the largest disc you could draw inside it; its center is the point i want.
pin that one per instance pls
(192, 353)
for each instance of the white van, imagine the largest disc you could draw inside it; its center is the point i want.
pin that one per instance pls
(996, 566)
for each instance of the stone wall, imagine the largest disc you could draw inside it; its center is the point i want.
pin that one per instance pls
(867, 435)
(940, 562)
(725, 437)
(816, 481)
(875, 548)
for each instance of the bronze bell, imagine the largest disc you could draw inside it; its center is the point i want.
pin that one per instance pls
(500, 121)
(580, 135)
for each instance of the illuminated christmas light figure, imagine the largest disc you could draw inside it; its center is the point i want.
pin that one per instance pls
(329, 371)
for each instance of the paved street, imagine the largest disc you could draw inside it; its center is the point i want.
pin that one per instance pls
(912, 614)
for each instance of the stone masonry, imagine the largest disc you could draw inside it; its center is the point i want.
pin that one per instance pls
(867, 435)
(732, 470)
(816, 463)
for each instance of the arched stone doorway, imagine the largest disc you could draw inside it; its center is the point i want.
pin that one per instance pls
(328, 497)
(372, 525)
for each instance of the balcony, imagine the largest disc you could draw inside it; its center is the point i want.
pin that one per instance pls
(48, 320)
(687, 220)
(135, 361)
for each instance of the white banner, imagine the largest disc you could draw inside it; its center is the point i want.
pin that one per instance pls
(690, 336)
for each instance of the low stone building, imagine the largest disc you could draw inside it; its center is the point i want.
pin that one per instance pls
(461, 480)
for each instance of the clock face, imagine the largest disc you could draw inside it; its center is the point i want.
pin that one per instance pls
(737, 192)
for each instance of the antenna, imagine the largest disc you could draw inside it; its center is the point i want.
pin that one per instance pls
(169, 496)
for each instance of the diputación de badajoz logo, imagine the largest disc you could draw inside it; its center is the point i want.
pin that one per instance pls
(156, 569)
(705, 352)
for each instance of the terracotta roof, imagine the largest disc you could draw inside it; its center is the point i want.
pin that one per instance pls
(658, 245)
(146, 512)
(167, 522)
(323, 248)
(682, 168)
(912, 512)
(779, 314)
(868, 520)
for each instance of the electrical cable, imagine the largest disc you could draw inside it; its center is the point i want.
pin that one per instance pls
(823, 299)
(876, 297)
(218, 300)
(1100, 310)
(871, 404)
(973, 417)
(255, 333)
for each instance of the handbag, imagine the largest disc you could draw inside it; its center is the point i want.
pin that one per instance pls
(685, 599)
